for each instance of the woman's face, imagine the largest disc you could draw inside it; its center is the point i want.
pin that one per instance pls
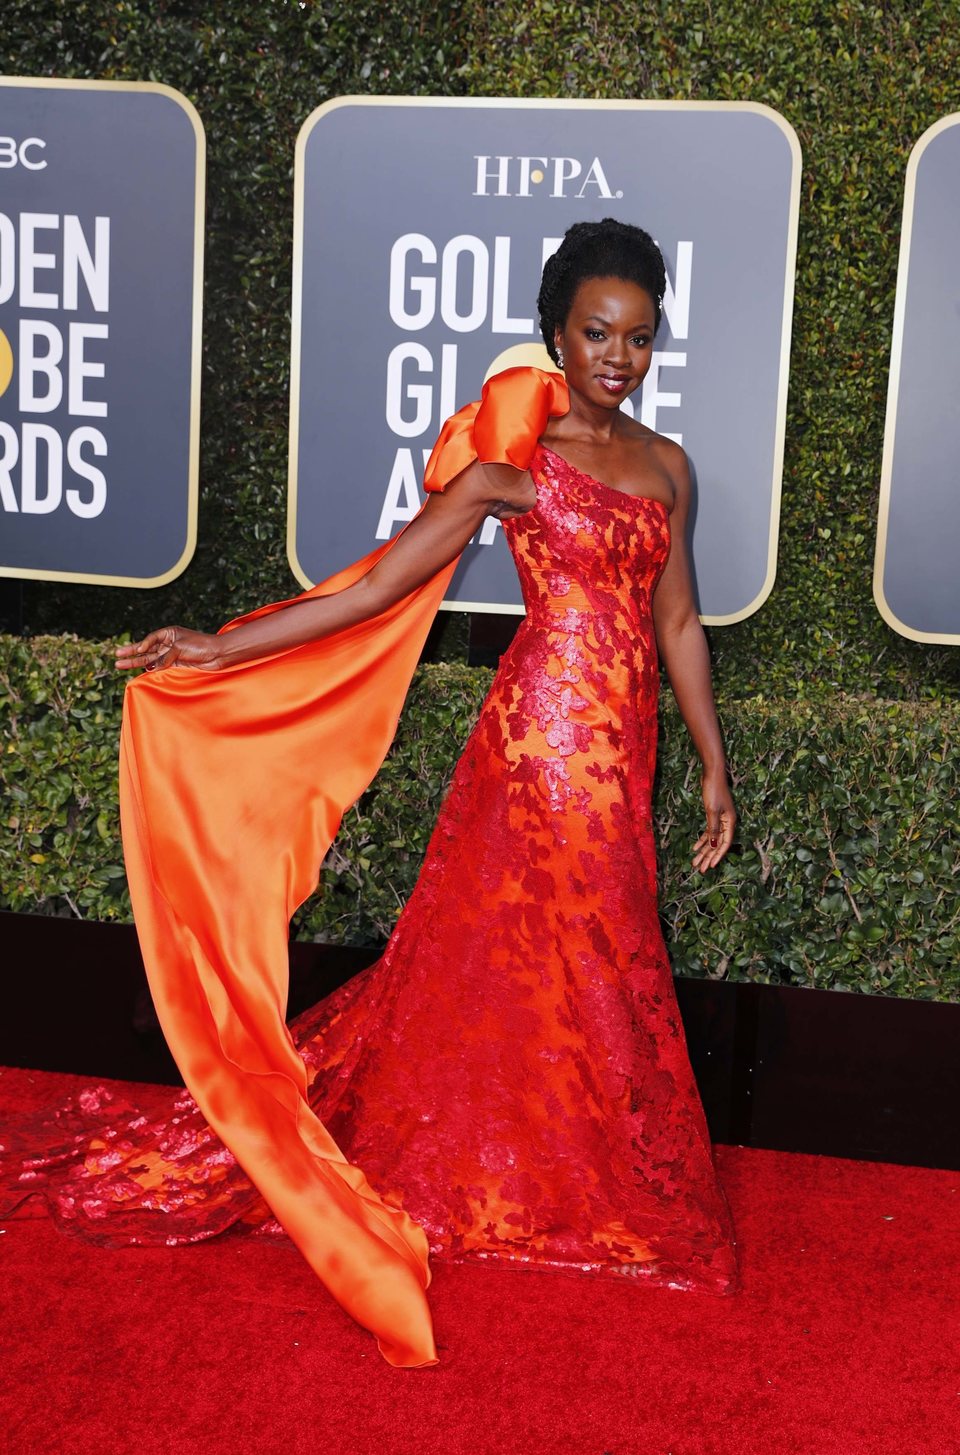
(607, 340)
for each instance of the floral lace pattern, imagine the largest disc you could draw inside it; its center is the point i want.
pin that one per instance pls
(513, 1070)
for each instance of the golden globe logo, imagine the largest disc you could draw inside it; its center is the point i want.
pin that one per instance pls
(518, 177)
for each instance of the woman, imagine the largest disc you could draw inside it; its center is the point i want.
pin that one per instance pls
(512, 1075)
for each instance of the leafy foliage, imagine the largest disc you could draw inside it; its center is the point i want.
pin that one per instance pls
(849, 835)
(60, 851)
(848, 848)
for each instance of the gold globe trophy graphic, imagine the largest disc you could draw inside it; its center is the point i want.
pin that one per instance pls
(6, 362)
(522, 356)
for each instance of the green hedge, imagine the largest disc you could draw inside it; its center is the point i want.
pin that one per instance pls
(849, 836)
(859, 81)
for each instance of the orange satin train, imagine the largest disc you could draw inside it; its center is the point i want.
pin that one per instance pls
(232, 787)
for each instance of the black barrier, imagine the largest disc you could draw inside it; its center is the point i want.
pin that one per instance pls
(862, 1076)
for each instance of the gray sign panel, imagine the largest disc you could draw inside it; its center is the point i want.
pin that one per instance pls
(916, 580)
(420, 234)
(101, 217)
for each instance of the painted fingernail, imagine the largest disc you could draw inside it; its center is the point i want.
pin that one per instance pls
(713, 843)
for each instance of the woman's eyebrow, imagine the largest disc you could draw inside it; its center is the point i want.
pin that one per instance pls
(595, 318)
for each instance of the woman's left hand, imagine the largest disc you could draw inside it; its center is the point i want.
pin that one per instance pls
(711, 846)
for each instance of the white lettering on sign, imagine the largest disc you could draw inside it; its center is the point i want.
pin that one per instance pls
(41, 354)
(676, 297)
(520, 176)
(474, 287)
(402, 499)
(401, 391)
(37, 488)
(41, 350)
(53, 264)
(15, 153)
(655, 398)
(74, 258)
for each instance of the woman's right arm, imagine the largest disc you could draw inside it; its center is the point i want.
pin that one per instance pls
(430, 542)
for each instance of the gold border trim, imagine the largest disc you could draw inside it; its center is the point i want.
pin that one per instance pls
(296, 327)
(483, 608)
(548, 103)
(893, 393)
(196, 342)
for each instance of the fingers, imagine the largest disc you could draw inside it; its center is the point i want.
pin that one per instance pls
(713, 845)
(148, 654)
(131, 656)
(139, 663)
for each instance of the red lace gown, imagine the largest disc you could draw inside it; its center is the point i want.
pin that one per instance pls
(513, 1071)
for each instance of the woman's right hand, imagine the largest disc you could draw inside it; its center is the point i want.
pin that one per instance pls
(172, 645)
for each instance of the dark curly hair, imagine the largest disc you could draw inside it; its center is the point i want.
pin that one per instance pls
(607, 249)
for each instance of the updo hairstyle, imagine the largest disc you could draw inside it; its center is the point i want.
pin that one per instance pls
(607, 249)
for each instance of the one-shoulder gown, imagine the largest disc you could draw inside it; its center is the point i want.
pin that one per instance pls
(512, 1073)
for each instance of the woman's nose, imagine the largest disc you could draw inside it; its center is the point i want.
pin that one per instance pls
(616, 353)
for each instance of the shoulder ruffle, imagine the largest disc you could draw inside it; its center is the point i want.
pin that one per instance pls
(502, 426)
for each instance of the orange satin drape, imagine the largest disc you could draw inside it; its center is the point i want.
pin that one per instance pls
(232, 787)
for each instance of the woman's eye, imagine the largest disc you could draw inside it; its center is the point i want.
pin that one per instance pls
(595, 333)
(640, 341)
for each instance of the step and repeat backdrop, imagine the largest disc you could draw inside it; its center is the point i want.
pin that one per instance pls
(420, 230)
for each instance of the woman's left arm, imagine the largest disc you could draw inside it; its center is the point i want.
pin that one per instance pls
(683, 650)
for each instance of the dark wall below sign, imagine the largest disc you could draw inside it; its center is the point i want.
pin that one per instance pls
(835, 1074)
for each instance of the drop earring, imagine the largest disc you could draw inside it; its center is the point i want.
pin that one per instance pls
(560, 358)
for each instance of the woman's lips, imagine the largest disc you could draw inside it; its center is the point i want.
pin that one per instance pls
(613, 383)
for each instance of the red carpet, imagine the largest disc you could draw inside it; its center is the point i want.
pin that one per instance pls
(843, 1342)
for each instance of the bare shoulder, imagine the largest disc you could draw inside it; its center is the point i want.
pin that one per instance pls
(672, 458)
(660, 455)
(667, 451)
